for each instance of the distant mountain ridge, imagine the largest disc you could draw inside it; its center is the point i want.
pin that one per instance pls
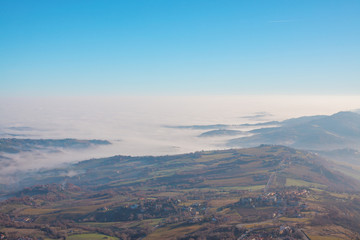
(319, 132)
(221, 132)
(223, 126)
(16, 145)
(340, 130)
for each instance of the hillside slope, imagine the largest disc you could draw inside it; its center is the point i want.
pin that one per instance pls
(341, 130)
(273, 192)
(234, 168)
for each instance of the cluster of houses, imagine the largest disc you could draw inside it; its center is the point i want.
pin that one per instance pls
(195, 209)
(155, 208)
(150, 208)
(22, 219)
(277, 199)
(283, 232)
(4, 237)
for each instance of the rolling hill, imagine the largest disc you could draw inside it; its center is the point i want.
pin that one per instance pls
(16, 145)
(221, 132)
(235, 193)
(341, 130)
(249, 167)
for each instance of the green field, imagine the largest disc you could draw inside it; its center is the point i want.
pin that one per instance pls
(297, 182)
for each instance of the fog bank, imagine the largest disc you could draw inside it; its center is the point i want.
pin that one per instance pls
(136, 125)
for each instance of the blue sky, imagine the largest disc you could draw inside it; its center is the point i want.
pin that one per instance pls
(183, 47)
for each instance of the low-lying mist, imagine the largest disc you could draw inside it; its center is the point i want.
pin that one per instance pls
(140, 125)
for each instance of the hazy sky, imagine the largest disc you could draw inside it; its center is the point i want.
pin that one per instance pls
(180, 47)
